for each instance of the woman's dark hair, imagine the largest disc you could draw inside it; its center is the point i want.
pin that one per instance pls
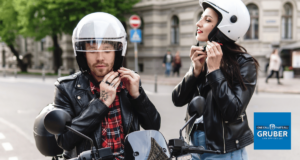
(229, 65)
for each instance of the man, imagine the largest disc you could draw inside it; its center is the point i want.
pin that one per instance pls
(106, 102)
(167, 62)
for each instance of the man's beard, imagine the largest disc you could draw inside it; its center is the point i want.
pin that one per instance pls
(101, 72)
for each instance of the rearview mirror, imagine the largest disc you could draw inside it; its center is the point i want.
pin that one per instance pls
(196, 106)
(56, 120)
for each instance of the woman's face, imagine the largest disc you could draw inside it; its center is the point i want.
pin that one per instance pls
(206, 24)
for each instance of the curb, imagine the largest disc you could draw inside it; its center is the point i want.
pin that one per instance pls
(278, 91)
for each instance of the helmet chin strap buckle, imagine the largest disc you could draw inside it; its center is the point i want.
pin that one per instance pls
(220, 43)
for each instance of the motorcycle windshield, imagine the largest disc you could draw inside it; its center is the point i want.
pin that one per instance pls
(146, 145)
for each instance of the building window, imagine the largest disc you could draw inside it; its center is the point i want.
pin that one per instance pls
(142, 30)
(252, 32)
(26, 49)
(199, 16)
(287, 21)
(42, 44)
(175, 30)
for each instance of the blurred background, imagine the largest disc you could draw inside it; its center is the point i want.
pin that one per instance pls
(36, 49)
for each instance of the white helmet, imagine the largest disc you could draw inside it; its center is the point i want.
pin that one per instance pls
(99, 32)
(235, 17)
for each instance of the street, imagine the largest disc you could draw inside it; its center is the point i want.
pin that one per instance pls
(23, 98)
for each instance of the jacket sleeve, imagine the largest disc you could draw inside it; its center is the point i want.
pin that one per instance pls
(148, 116)
(86, 122)
(184, 91)
(233, 102)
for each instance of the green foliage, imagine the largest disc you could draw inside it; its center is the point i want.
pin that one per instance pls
(288, 68)
(9, 28)
(39, 18)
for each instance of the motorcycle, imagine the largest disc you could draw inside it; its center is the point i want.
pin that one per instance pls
(138, 145)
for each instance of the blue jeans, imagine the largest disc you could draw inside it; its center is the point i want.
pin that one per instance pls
(168, 69)
(198, 139)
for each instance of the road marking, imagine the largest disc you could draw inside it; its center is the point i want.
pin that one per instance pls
(13, 158)
(7, 146)
(17, 129)
(2, 136)
(153, 93)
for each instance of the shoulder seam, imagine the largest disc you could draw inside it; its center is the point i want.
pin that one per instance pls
(70, 77)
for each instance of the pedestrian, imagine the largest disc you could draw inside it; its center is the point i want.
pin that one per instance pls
(177, 64)
(167, 63)
(275, 64)
(225, 75)
(106, 101)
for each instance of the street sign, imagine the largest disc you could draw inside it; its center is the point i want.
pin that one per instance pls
(135, 21)
(135, 35)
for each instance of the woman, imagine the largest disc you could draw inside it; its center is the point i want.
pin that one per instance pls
(177, 64)
(274, 66)
(225, 75)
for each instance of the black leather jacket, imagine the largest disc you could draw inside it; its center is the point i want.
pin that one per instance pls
(73, 94)
(225, 120)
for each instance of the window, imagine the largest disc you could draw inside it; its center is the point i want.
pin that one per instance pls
(142, 30)
(175, 30)
(42, 44)
(252, 32)
(26, 49)
(199, 16)
(286, 21)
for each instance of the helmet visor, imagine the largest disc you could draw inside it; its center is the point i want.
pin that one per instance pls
(97, 45)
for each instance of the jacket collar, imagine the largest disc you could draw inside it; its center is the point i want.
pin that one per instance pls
(82, 82)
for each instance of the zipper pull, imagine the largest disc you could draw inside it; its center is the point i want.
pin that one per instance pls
(242, 116)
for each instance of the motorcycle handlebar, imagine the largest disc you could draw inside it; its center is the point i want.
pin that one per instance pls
(87, 155)
(190, 149)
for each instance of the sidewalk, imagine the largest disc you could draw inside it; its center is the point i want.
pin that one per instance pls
(288, 85)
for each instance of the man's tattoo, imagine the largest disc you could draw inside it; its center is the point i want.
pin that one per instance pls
(104, 95)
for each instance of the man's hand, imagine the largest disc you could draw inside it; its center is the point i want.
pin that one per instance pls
(131, 81)
(108, 88)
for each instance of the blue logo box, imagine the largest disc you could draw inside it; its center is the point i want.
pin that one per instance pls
(272, 130)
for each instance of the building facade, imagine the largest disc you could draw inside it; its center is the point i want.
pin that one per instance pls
(170, 25)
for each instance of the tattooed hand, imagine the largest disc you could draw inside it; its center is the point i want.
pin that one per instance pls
(108, 88)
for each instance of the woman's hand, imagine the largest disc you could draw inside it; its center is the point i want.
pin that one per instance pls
(214, 56)
(198, 58)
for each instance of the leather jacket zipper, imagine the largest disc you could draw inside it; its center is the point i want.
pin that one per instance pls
(198, 91)
(223, 137)
(241, 117)
(129, 125)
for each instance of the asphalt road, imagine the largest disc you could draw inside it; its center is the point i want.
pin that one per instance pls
(23, 98)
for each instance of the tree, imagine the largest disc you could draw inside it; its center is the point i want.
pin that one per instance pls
(9, 29)
(40, 18)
